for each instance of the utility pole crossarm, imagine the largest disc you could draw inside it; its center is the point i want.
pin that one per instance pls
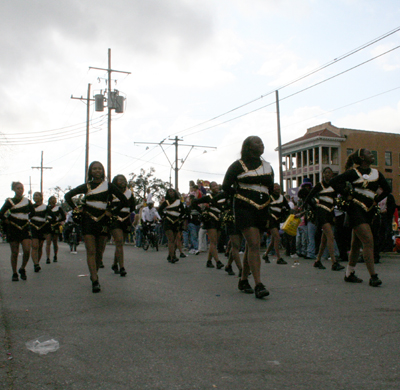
(176, 139)
(110, 70)
(41, 173)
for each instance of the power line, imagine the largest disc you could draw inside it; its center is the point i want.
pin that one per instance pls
(100, 118)
(334, 61)
(295, 93)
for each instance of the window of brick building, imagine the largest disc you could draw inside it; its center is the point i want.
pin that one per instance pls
(304, 159)
(299, 164)
(316, 156)
(388, 159)
(335, 156)
(310, 157)
(375, 154)
(325, 155)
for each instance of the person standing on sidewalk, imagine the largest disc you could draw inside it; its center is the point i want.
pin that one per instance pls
(15, 215)
(96, 216)
(365, 182)
(250, 180)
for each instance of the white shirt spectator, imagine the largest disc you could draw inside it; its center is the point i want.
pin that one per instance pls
(69, 217)
(149, 214)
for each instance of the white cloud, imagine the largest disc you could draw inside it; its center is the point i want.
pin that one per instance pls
(388, 62)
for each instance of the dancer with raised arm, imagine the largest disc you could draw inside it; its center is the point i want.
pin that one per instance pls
(15, 215)
(363, 199)
(251, 179)
(96, 216)
(121, 224)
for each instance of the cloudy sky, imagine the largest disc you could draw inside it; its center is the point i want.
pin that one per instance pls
(190, 61)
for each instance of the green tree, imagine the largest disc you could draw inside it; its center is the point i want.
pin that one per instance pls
(144, 180)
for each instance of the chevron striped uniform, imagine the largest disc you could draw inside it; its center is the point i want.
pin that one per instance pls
(217, 202)
(253, 185)
(19, 212)
(276, 206)
(326, 197)
(40, 219)
(125, 212)
(172, 211)
(365, 187)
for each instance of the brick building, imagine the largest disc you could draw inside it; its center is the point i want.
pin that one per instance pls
(327, 145)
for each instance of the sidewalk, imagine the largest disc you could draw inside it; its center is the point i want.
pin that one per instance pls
(185, 326)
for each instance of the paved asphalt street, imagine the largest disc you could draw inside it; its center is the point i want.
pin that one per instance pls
(185, 326)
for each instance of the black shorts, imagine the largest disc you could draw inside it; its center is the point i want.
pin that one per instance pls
(251, 217)
(358, 216)
(14, 234)
(232, 230)
(212, 224)
(93, 228)
(125, 226)
(168, 225)
(40, 234)
(323, 216)
(273, 223)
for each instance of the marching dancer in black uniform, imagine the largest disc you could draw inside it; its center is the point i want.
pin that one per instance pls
(250, 180)
(172, 211)
(95, 216)
(277, 207)
(121, 224)
(212, 221)
(324, 196)
(40, 228)
(55, 220)
(235, 237)
(363, 200)
(15, 217)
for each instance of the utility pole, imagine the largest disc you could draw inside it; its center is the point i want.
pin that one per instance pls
(110, 106)
(279, 141)
(41, 173)
(88, 100)
(175, 143)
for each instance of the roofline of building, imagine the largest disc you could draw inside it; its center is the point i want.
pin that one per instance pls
(307, 140)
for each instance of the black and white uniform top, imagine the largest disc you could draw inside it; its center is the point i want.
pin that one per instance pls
(365, 183)
(18, 212)
(55, 218)
(324, 196)
(172, 214)
(212, 214)
(123, 216)
(250, 182)
(278, 207)
(193, 214)
(95, 204)
(43, 215)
